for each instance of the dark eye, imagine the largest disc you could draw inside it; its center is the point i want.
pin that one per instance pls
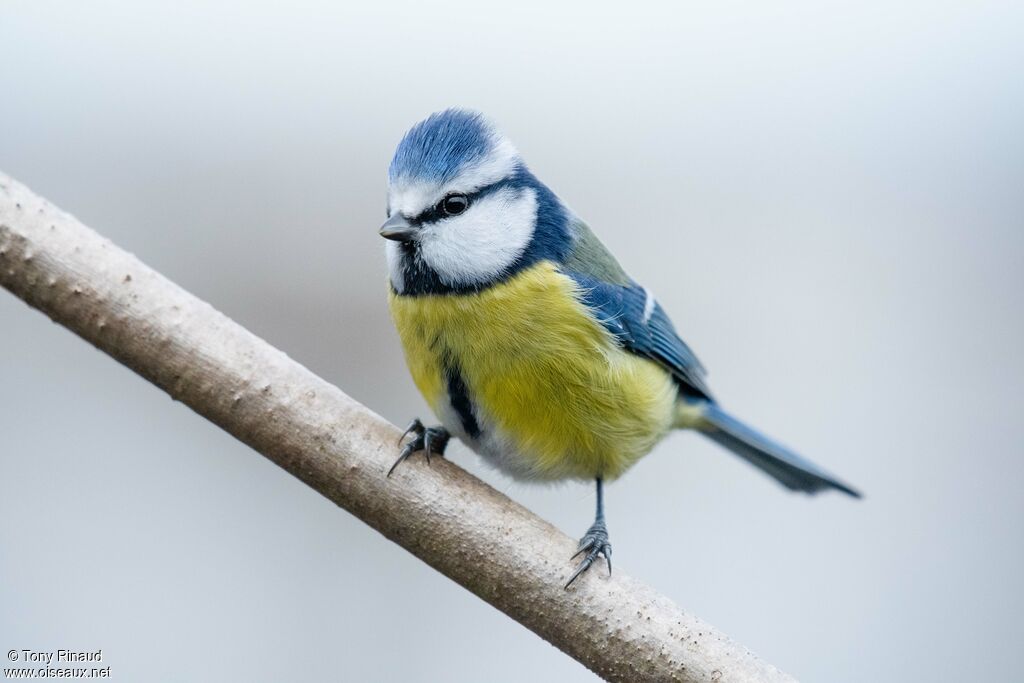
(454, 204)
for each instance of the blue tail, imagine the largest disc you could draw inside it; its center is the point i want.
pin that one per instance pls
(787, 467)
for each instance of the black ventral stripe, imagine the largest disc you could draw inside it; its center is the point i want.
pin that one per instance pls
(459, 397)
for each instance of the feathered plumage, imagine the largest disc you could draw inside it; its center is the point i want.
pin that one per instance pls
(526, 336)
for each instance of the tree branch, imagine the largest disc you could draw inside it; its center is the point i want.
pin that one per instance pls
(618, 627)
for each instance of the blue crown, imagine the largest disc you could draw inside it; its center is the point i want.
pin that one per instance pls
(440, 146)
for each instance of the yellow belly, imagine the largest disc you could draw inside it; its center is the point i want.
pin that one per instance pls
(549, 386)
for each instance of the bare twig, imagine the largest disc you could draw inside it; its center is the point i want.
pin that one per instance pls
(621, 629)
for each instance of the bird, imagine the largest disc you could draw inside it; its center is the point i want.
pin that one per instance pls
(525, 336)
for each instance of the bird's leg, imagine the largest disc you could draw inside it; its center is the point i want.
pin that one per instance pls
(595, 541)
(430, 440)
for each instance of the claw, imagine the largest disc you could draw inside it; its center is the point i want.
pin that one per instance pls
(430, 440)
(400, 459)
(414, 426)
(408, 450)
(595, 544)
(595, 550)
(584, 566)
(585, 544)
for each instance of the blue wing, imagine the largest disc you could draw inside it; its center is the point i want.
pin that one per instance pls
(629, 312)
(641, 325)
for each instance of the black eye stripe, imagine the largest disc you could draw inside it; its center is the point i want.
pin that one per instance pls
(437, 213)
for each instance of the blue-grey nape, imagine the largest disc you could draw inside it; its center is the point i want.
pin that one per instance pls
(440, 146)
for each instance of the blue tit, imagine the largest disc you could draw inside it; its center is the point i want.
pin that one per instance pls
(526, 337)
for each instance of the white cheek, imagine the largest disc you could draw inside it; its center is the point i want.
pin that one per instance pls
(394, 255)
(480, 245)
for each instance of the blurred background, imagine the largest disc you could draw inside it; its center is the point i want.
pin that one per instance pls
(827, 198)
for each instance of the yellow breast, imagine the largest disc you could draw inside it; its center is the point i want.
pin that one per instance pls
(550, 388)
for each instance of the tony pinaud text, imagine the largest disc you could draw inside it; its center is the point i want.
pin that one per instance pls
(54, 656)
(60, 663)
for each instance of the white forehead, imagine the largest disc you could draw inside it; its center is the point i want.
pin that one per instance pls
(411, 196)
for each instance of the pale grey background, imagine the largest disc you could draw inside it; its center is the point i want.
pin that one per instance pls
(826, 198)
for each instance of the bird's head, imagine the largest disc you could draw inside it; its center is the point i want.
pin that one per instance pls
(463, 210)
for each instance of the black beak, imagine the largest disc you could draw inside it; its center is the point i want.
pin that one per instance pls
(398, 228)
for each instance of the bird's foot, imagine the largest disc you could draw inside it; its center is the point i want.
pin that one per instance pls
(430, 440)
(594, 543)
